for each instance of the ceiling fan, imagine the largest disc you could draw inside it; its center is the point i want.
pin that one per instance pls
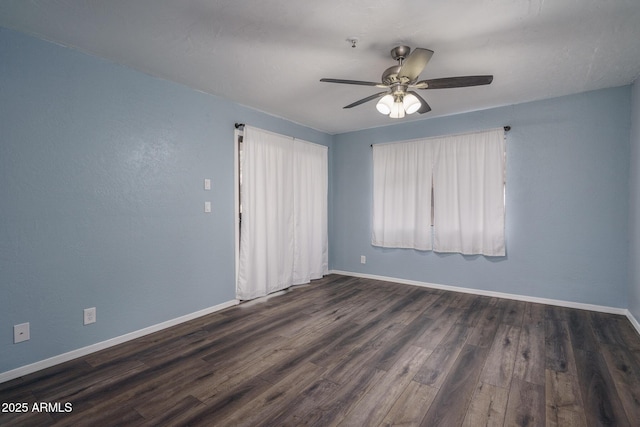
(401, 80)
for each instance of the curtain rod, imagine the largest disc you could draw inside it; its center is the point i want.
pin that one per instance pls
(506, 129)
(241, 125)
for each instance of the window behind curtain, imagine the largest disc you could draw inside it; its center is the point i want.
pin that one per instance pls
(467, 175)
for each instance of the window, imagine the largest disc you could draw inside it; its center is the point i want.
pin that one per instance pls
(455, 183)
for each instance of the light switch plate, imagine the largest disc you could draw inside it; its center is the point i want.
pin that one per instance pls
(207, 207)
(207, 184)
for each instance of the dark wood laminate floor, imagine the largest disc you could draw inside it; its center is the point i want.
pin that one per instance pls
(356, 352)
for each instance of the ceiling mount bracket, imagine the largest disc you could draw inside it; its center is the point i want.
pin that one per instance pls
(399, 53)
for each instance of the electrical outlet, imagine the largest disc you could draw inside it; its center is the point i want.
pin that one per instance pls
(363, 259)
(21, 333)
(207, 207)
(89, 315)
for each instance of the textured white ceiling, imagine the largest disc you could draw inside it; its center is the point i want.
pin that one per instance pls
(271, 54)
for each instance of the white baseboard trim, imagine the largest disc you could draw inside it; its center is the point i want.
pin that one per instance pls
(74, 354)
(560, 303)
(634, 321)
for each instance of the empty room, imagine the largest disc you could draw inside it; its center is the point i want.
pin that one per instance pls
(357, 213)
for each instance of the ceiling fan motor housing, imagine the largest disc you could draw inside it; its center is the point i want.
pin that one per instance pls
(390, 75)
(399, 53)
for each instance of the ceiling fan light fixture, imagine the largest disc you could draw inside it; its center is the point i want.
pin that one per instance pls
(411, 103)
(397, 110)
(385, 104)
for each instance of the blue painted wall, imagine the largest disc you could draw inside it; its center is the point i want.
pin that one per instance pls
(634, 205)
(101, 197)
(567, 208)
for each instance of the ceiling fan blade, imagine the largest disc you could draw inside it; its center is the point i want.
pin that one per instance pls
(415, 63)
(352, 82)
(367, 99)
(424, 107)
(452, 82)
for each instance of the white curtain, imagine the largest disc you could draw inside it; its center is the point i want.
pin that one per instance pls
(310, 184)
(402, 195)
(283, 236)
(468, 194)
(466, 173)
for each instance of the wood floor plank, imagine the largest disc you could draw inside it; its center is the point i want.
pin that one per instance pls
(601, 400)
(472, 314)
(498, 370)
(411, 407)
(176, 414)
(534, 314)
(346, 350)
(526, 407)
(152, 343)
(366, 354)
(437, 328)
(435, 369)
(488, 406)
(115, 415)
(555, 313)
(485, 330)
(363, 334)
(334, 407)
(614, 330)
(28, 418)
(225, 377)
(421, 300)
(56, 376)
(305, 352)
(114, 373)
(219, 407)
(530, 358)
(628, 333)
(626, 378)
(440, 305)
(391, 352)
(514, 312)
(564, 406)
(462, 301)
(276, 398)
(305, 402)
(374, 405)
(581, 332)
(558, 348)
(133, 391)
(450, 406)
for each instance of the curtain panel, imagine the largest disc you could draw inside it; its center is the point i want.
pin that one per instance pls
(468, 194)
(466, 174)
(402, 195)
(283, 235)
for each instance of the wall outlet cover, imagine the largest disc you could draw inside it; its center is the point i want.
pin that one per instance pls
(21, 333)
(89, 315)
